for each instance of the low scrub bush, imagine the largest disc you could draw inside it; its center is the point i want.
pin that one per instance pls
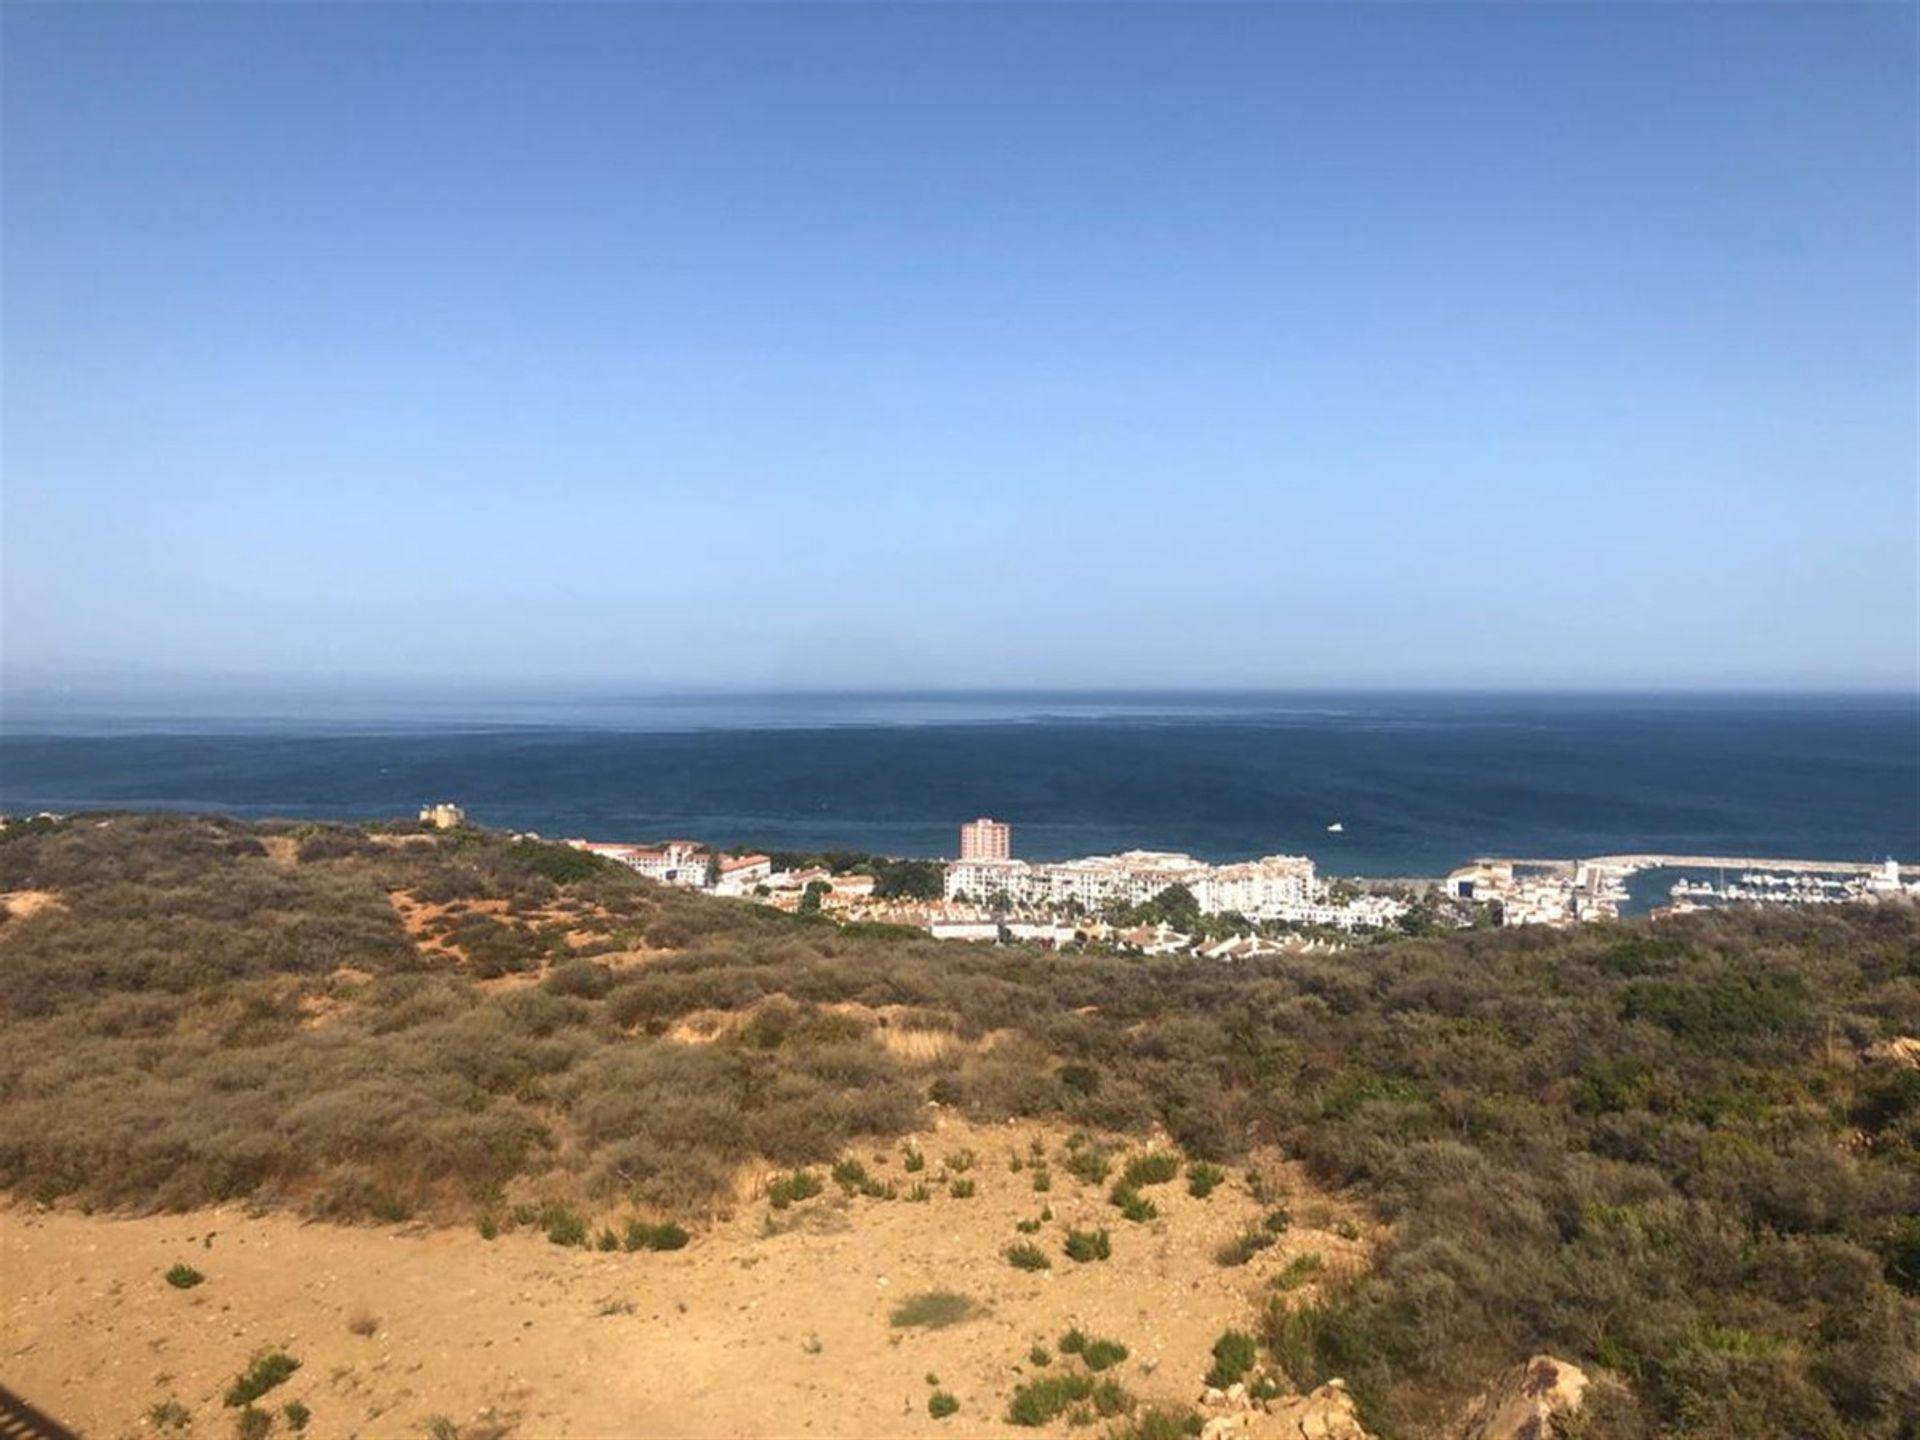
(1086, 1162)
(1233, 1356)
(800, 1185)
(184, 1277)
(564, 1226)
(1203, 1178)
(1243, 1247)
(169, 1414)
(1111, 1399)
(1085, 1245)
(1299, 1271)
(940, 1405)
(1154, 1168)
(298, 1415)
(933, 1310)
(850, 1175)
(1094, 1352)
(1157, 1424)
(961, 1189)
(1028, 1256)
(1132, 1204)
(253, 1423)
(639, 1235)
(1042, 1401)
(263, 1375)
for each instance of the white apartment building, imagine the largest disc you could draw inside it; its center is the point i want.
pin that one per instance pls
(1275, 887)
(738, 874)
(676, 862)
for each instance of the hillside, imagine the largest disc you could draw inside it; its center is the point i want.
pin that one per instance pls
(1674, 1156)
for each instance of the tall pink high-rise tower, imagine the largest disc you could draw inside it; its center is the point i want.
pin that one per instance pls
(985, 839)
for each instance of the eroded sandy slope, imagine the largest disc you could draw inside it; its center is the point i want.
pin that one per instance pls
(744, 1333)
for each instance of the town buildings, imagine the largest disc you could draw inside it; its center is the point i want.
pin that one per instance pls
(444, 816)
(688, 864)
(1278, 887)
(985, 839)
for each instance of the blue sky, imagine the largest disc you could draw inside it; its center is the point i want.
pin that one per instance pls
(1072, 345)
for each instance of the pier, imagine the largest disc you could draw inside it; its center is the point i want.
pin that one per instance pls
(1702, 862)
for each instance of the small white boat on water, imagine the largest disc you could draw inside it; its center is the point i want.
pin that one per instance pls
(1336, 828)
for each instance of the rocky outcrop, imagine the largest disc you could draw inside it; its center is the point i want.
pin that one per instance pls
(1323, 1414)
(1522, 1405)
(1901, 1050)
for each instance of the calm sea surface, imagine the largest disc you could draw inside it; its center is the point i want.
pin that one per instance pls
(1419, 783)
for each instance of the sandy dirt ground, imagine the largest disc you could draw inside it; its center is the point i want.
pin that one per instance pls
(768, 1324)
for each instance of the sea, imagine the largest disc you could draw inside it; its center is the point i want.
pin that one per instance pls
(1371, 784)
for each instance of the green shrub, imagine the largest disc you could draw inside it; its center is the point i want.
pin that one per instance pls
(1243, 1247)
(1087, 1163)
(1133, 1205)
(919, 1194)
(184, 1277)
(1298, 1271)
(1042, 1181)
(1109, 1399)
(940, 1405)
(606, 1240)
(297, 1415)
(1156, 1167)
(800, 1185)
(1098, 1354)
(1277, 1221)
(1202, 1179)
(1160, 1425)
(960, 1189)
(667, 1236)
(959, 1162)
(850, 1175)
(1044, 1400)
(933, 1310)
(169, 1414)
(1085, 1245)
(253, 1423)
(916, 1160)
(1028, 1256)
(1313, 1343)
(1233, 1356)
(563, 1226)
(1039, 1355)
(266, 1372)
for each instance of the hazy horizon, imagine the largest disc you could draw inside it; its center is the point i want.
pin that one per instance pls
(935, 348)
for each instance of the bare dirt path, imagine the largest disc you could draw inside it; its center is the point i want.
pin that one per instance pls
(744, 1333)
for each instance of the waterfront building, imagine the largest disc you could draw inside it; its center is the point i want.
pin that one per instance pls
(444, 816)
(1276, 887)
(676, 862)
(738, 874)
(985, 839)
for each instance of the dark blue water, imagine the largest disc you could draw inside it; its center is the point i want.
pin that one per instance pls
(1421, 783)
